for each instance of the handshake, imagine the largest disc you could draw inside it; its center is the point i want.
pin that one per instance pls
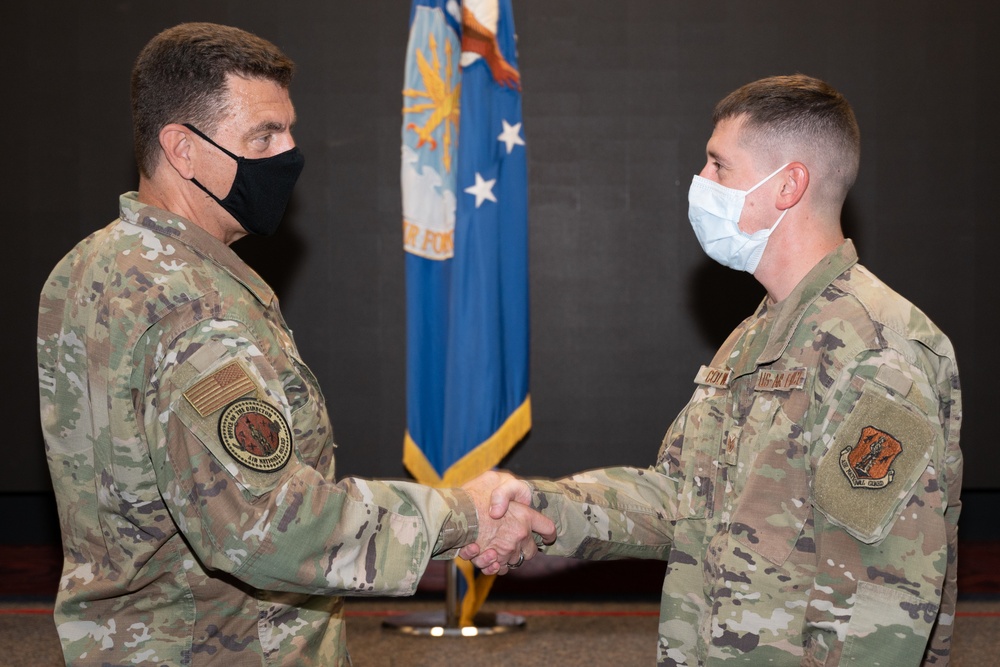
(507, 524)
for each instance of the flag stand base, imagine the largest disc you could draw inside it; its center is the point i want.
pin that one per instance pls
(435, 624)
(446, 623)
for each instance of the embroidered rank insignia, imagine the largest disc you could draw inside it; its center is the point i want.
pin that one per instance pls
(733, 445)
(256, 434)
(221, 387)
(867, 464)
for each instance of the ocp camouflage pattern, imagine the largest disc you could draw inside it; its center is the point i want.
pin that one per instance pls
(807, 497)
(175, 552)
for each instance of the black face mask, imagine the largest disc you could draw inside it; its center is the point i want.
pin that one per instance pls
(261, 189)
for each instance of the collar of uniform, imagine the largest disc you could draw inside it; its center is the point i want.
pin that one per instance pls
(180, 229)
(788, 313)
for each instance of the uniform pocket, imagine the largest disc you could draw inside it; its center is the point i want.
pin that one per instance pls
(881, 616)
(774, 503)
(690, 451)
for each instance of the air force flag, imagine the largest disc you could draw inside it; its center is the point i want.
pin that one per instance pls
(464, 182)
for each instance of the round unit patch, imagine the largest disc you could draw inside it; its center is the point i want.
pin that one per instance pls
(256, 434)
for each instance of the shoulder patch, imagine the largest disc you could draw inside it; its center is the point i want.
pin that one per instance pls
(221, 387)
(256, 434)
(867, 464)
(878, 454)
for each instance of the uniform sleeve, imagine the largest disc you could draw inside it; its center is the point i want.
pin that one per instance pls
(609, 513)
(886, 487)
(224, 425)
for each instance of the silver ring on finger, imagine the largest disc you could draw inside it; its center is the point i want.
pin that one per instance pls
(519, 563)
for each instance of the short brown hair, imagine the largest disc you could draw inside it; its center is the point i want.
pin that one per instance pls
(789, 113)
(180, 77)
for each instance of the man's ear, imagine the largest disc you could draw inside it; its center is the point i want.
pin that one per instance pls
(795, 182)
(178, 149)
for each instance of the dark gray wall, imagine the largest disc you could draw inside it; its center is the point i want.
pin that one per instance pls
(617, 99)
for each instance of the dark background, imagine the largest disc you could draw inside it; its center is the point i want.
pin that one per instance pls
(617, 104)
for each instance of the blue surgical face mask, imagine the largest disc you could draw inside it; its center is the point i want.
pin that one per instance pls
(714, 211)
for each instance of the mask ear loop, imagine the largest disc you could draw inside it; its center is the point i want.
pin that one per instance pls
(767, 233)
(781, 217)
(754, 259)
(766, 178)
(233, 155)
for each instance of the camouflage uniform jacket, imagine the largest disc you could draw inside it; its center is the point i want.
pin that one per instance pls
(192, 460)
(807, 497)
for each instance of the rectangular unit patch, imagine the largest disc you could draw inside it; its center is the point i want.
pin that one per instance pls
(714, 377)
(219, 389)
(794, 378)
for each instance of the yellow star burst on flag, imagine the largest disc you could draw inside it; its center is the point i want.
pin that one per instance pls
(443, 96)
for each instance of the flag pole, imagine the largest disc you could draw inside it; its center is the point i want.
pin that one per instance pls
(452, 612)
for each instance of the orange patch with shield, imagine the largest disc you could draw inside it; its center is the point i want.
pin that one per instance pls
(868, 464)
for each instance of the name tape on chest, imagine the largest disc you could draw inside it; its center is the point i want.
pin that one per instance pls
(768, 380)
(714, 377)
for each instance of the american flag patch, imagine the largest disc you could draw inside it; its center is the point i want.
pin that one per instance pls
(219, 389)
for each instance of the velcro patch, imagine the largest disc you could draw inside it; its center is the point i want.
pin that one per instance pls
(793, 378)
(877, 455)
(714, 377)
(256, 434)
(890, 378)
(219, 389)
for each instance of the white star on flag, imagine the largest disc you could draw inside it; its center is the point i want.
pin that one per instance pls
(483, 190)
(511, 136)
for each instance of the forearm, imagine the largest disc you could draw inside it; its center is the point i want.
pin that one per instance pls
(312, 536)
(608, 514)
(364, 537)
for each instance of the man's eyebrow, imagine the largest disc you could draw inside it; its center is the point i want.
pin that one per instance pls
(269, 126)
(715, 155)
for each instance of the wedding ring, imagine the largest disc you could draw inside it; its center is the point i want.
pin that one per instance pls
(514, 566)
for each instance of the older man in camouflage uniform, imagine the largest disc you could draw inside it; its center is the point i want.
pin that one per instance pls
(189, 445)
(807, 497)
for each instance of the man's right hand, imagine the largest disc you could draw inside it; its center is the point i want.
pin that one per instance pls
(506, 523)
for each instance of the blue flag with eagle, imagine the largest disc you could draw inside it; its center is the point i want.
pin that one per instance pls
(465, 211)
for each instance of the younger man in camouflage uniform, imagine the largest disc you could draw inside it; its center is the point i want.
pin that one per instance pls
(807, 497)
(189, 445)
